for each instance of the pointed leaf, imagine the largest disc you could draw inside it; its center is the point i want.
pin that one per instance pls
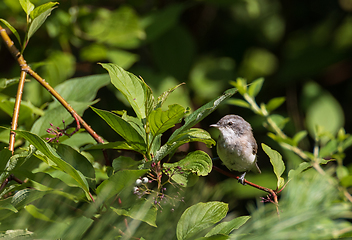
(254, 87)
(38, 22)
(162, 98)
(27, 6)
(227, 227)
(50, 152)
(199, 114)
(13, 30)
(113, 145)
(118, 182)
(276, 161)
(44, 215)
(295, 172)
(191, 135)
(41, 9)
(275, 103)
(299, 136)
(144, 211)
(239, 102)
(135, 122)
(123, 128)
(199, 217)
(134, 89)
(160, 121)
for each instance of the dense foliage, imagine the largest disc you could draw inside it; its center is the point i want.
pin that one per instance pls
(152, 176)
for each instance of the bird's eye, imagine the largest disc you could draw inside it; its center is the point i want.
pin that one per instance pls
(230, 123)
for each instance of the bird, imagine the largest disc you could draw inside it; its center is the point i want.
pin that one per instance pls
(236, 145)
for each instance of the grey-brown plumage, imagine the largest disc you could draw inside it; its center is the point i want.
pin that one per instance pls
(236, 145)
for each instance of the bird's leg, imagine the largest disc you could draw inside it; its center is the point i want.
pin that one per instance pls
(241, 179)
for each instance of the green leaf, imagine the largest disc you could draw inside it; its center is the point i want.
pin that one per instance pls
(42, 214)
(50, 152)
(199, 217)
(6, 204)
(118, 182)
(191, 135)
(199, 114)
(215, 237)
(13, 30)
(41, 9)
(197, 162)
(123, 128)
(299, 136)
(162, 98)
(295, 172)
(76, 160)
(160, 121)
(122, 145)
(274, 103)
(239, 102)
(240, 84)
(38, 22)
(227, 227)
(254, 87)
(26, 196)
(134, 89)
(88, 87)
(27, 110)
(123, 162)
(27, 6)
(144, 211)
(276, 161)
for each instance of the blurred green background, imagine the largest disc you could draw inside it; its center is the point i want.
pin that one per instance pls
(303, 49)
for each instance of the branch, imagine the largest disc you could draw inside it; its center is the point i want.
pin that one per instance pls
(272, 197)
(26, 69)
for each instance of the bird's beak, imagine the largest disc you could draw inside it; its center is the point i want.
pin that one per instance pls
(214, 125)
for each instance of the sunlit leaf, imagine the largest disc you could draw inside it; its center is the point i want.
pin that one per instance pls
(160, 121)
(239, 102)
(13, 30)
(199, 217)
(38, 22)
(295, 172)
(190, 135)
(123, 128)
(134, 89)
(162, 98)
(202, 112)
(276, 161)
(41, 9)
(255, 87)
(275, 103)
(27, 6)
(42, 214)
(50, 152)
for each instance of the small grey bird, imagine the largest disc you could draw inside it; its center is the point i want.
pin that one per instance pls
(236, 145)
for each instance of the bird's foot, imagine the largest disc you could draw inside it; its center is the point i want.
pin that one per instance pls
(241, 179)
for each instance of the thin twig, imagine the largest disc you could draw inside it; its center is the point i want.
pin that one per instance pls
(272, 193)
(16, 111)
